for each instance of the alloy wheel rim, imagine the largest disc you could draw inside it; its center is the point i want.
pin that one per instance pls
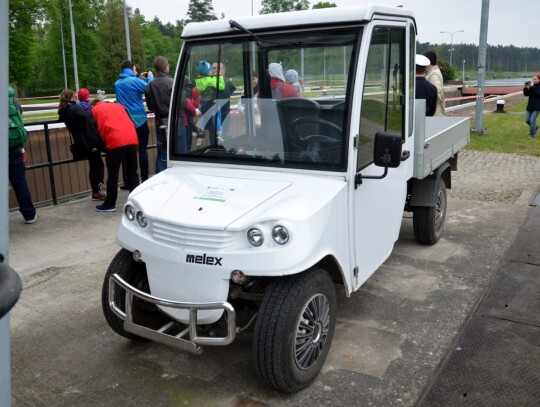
(312, 331)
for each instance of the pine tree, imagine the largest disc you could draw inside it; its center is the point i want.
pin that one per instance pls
(200, 10)
(324, 4)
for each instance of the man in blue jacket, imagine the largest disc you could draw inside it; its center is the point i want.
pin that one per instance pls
(129, 91)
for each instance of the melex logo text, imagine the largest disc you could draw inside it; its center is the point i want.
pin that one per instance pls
(204, 259)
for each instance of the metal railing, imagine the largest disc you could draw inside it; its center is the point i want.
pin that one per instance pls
(52, 174)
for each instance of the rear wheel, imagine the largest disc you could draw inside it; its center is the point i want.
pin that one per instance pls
(428, 222)
(134, 274)
(294, 330)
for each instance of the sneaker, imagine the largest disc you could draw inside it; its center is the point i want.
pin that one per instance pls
(96, 197)
(102, 191)
(124, 187)
(105, 208)
(199, 142)
(30, 221)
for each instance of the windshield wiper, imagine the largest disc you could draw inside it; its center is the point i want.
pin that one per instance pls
(234, 24)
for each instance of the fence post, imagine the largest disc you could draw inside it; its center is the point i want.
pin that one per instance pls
(50, 161)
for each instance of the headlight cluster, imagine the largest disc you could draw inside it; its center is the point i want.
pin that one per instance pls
(133, 215)
(280, 235)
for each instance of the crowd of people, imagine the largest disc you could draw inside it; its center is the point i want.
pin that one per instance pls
(121, 131)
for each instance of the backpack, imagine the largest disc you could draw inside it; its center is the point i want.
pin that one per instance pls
(17, 133)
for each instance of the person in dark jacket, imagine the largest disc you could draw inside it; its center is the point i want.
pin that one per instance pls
(533, 105)
(424, 89)
(158, 98)
(81, 125)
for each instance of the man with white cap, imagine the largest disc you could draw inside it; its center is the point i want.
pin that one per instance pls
(424, 89)
(435, 77)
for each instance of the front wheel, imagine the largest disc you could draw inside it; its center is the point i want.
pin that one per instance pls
(134, 274)
(428, 222)
(294, 330)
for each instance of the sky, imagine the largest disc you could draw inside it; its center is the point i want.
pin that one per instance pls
(509, 24)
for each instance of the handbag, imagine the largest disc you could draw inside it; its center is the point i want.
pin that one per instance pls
(78, 152)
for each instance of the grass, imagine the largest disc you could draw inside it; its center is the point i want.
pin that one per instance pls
(506, 133)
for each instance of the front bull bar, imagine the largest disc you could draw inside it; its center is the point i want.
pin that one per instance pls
(188, 339)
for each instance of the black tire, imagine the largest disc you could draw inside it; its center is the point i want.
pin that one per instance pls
(428, 222)
(289, 349)
(133, 273)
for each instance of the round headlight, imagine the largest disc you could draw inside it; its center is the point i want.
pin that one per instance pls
(255, 237)
(142, 220)
(280, 234)
(130, 212)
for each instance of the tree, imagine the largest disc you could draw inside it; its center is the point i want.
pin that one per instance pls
(24, 16)
(112, 37)
(156, 43)
(324, 4)
(200, 10)
(280, 6)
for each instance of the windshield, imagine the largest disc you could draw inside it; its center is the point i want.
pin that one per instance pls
(270, 101)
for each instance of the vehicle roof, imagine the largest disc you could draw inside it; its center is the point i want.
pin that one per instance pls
(297, 18)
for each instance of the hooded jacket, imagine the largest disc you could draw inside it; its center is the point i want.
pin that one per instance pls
(114, 125)
(129, 92)
(81, 125)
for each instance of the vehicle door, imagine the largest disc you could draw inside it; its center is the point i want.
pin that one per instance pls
(386, 89)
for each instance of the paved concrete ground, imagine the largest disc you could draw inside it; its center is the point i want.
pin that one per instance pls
(390, 339)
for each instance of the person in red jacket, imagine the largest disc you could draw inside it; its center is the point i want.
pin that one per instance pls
(280, 88)
(120, 138)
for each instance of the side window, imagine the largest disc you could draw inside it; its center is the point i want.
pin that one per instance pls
(412, 75)
(383, 93)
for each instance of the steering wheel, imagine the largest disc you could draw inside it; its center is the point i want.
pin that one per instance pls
(326, 129)
(324, 145)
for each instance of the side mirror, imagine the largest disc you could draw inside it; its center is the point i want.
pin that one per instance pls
(387, 149)
(386, 153)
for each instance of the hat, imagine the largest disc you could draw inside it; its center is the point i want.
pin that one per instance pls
(83, 94)
(291, 76)
(421, 60)
(204, 67)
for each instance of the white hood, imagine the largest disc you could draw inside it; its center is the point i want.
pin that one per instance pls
(203, 201)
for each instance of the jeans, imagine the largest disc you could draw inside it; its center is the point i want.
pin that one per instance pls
(143, 132)
(19, 185)
(115, 158)
(181, 145)
(530, 119)
(161, 158)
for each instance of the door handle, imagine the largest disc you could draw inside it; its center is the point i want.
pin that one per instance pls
(405, 155)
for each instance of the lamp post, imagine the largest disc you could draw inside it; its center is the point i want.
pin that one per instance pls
(451, 41)
(463, 75)
(126, 26)
(74, 48)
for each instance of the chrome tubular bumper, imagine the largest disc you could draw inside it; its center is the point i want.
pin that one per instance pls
(187, 339)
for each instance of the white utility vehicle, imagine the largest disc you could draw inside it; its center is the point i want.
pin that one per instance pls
(286, 196)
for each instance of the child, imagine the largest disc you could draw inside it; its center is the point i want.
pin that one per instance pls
(207, 86)
(188, 112)
(192, 93)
